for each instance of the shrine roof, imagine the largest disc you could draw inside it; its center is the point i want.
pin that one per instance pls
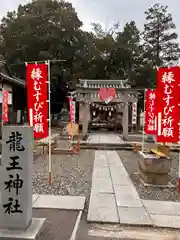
(91, 83)
(6, 74)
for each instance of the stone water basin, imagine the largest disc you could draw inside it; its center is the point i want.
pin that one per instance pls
(153, 169)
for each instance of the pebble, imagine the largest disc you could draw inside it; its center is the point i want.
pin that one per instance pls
(72, 174)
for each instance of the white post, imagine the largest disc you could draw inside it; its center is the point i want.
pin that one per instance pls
(142, 149)
(49, 103)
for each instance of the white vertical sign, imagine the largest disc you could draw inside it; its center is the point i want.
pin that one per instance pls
(134, 113)
(16, 177)
(73, 111)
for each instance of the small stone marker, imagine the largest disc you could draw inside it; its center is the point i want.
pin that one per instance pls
(16, 179)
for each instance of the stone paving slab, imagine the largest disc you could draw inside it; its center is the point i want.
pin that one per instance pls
(100, 159)
(112, 139)
(166, 221)
(101, 172)
(104, 138)
(162, 207)
(102, 208)
(126, 196)
(93, 138)
(119, 178)
(60, 202)
(102, 185)
(113, 159)
(134, 216)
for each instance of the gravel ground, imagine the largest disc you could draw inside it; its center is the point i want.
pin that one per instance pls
(72, 174)
(129, 160)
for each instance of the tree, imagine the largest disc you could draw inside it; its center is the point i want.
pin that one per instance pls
(40, 30)
(126, 56)
(160, 40)
(104, 45)
(41, 26)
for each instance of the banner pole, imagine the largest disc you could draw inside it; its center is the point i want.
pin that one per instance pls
(49, 103)
(142, 149)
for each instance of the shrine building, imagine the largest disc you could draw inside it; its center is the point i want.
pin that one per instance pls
(16, 91)
(105, 103)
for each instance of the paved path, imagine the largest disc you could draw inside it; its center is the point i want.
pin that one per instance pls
(114, 198)
(106, 138)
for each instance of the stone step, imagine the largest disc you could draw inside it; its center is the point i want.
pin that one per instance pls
(132, 234)
(62, 151)
(106, 147)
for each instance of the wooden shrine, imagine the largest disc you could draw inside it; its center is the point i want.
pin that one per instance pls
(95, 109)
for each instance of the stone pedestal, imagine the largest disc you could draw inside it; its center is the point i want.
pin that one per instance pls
(153, 170)
(16, 184)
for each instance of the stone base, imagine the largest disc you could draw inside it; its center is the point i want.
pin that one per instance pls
(145, 184)
(31, 233)
(153, 178)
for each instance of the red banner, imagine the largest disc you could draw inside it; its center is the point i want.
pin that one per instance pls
(37, 76)
(72, 110)
(5, 106)
(150, 115)
(167, 105)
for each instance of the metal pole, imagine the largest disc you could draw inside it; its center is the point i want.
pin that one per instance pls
(142, 149)
(49, 103)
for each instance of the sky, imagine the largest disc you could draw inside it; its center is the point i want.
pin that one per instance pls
(107, 12)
